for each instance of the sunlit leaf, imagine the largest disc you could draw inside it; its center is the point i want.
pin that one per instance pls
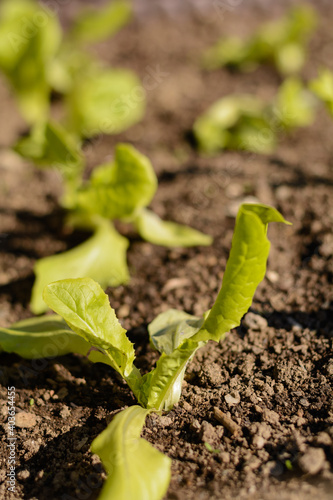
(171, 328)
(87, 311)
(155, 230)
(43, 337)
(245, 269)
(179, 335)
(119, 188)
(135, 469)
(102, 257)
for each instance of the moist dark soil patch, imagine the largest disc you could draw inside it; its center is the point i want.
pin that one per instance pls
(272, 376)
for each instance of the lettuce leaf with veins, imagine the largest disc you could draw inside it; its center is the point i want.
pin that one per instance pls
(86, 309)
(135, 469)
(44, 337)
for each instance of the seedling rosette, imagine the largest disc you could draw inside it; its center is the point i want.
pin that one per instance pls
(282, 43)
(121, 189)
(38, 58)
(85, 319)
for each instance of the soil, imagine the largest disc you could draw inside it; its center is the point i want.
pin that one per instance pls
(273, 376)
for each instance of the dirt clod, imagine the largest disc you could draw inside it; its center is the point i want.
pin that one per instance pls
(312, 461)
(25, 420)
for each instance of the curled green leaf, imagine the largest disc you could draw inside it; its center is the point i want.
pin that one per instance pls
(118, 189)
(87, 311)
(155, 230)
(43, 337)
(245, 269)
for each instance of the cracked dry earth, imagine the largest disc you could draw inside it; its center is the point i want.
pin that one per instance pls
(272, 377)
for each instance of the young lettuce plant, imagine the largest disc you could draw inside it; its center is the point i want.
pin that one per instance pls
(86, 323)
(282, 43)
(245, 122)
(235, 122)
(37, 58)
(119, 190)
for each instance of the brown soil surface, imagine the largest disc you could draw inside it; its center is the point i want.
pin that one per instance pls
(273, 376)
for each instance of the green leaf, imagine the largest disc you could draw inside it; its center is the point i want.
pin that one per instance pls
(30, 36)
(230, 51)
(120, 188)
(105, 102)
(294, 104)
(163, 385)
(253, 133)
(155, 230)
(171, 328)
(44, 337)
(87, 311)
(245, 269)
(93, 25)
(168, 332)
(233, 122)
(322, 87)
(281, 42)
(290, 58)
(50, 145)
(102, 258)
(135, 469)
(178, 335)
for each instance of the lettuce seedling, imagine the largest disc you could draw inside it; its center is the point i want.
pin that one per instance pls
(136, 470)
(244, 122)
(27, 45)
(37, 58)
(121, 189)
(282, 43)
(239, 121)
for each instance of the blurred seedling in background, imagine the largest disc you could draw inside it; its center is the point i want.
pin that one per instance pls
(245, 122)
(282, 43)
(38, 59)
(118, 190)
